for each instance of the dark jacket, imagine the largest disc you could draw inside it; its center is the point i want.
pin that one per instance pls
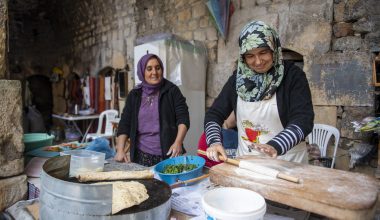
(293, 101)
(173, 111)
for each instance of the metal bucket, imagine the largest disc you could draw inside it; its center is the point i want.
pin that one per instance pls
(61, 198)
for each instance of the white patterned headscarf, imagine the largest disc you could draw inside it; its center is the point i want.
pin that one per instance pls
(250, 85)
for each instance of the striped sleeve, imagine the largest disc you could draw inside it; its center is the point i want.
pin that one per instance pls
(213, 133)
(287, 139)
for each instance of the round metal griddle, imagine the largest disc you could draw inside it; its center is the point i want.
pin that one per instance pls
(65, 198)
(159, 192)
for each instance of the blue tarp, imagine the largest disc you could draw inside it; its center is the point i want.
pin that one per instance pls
(221, 11)
(101, 145)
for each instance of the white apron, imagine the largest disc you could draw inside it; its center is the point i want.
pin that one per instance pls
(262, 121)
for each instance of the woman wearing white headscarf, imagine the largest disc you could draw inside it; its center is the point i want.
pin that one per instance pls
(271, 99)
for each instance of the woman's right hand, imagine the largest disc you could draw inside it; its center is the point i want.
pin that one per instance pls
(265, 148)
(214, 151)
(121, 156)
(122, 148)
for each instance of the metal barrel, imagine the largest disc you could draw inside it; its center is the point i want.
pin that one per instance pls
(60, 199)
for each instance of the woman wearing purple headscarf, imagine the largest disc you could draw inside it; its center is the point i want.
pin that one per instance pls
(155, 117)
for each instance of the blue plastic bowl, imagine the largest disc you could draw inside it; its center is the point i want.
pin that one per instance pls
(173, 178)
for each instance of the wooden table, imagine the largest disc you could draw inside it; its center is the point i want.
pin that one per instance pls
(332, 193)
(66, 119)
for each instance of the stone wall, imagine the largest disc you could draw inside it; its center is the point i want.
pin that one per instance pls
(355, 38)
(12, 190)
(189, 20)
(13, 186)
(3, 37)
(79, 36)
(335, 37)
(96, 34)
(33, 43)
(88, 36)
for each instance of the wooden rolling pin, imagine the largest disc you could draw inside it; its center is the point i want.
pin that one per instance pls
(257, 168)
(185, 182)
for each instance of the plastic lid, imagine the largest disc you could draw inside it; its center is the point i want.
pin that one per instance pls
(84, 154)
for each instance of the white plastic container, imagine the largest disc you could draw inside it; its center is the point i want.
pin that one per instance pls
(85, 161)
(231, 203)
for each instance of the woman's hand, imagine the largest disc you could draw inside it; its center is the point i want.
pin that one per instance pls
(122, 148)
(214, 151)
(175, 150)
(266, 149)
(121, 156)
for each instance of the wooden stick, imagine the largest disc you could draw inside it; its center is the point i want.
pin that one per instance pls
(228, 160)
(288, 177)
(237, 163)
(185, 182)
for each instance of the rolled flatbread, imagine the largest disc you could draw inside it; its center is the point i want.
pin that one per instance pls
(126, 194)
(113, 175)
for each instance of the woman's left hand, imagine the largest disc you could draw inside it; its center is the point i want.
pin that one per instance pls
(266, 149)
(175, 150)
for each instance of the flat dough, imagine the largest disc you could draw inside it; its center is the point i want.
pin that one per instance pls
(114, 175)
(126, 194)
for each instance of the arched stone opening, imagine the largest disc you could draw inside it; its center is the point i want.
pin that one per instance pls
(291, 55)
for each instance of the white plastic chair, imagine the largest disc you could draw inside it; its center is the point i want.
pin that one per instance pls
(321, 135)
(108, 131)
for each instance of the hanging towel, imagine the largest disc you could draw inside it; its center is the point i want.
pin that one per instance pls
(101, 100)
